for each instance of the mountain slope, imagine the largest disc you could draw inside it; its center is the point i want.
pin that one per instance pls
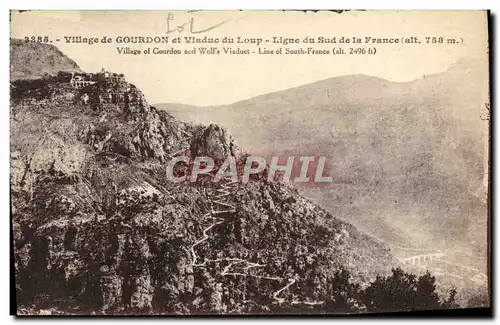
(407, 158)
(31, 60)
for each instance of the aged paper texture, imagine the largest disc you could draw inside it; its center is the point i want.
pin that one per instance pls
(249, 162)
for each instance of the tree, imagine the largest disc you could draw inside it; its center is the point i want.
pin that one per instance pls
(401, 292)
(450, 303)
(342, 293)
(427, 298)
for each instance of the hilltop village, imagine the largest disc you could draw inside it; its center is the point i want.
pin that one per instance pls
(83, 79)
(100, 90)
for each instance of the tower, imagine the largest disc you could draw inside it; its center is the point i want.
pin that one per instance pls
(105, 73)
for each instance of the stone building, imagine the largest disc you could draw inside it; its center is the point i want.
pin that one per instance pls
(81, 79)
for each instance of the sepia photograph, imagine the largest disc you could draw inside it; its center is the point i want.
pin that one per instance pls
(273, 162)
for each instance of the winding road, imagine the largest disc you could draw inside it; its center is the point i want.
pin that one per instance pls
(219, 199)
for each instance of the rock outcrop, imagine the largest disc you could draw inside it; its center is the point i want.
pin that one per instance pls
(215, 142)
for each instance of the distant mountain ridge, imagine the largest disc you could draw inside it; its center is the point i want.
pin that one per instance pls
(33, 60)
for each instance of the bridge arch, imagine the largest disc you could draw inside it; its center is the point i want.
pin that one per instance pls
(421, 259)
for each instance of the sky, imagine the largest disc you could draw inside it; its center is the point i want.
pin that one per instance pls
(205, 80)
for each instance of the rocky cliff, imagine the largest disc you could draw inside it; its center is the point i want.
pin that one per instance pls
(99, 229)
